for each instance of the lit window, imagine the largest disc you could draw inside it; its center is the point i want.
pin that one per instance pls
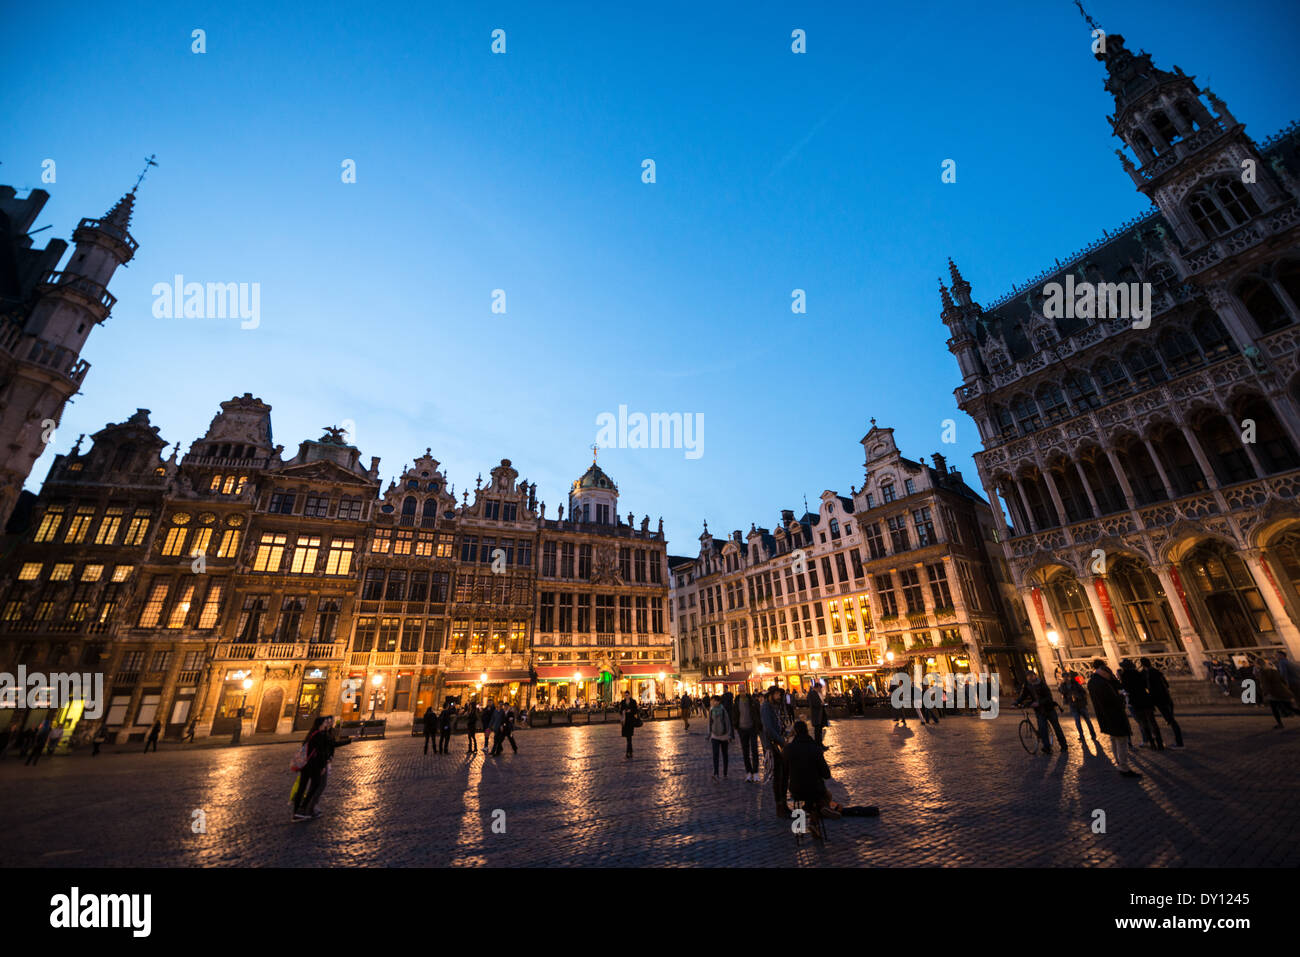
(229, 543)
(270, 550)
(181, 610)
(79, 526)
(29, 572)
(122, 572)
(304, 555)
(106, 534)
(175, 540)
(339, 561)
(92, 573)
(49, 524)
(61, 572)
(138, 529)
(153, 605)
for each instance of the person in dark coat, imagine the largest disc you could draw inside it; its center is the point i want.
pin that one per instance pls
(485, 719)
(627, 713)
(321, 744)
(153, 737)
(1075, 695)
(445, 720)
(1273, 689)
(38, 745)
(1158, 686)
(430, 729)
(471, 727)
(817, 711)
(808, 774)
(1140, 700)
(1112, 718)
(686, 710)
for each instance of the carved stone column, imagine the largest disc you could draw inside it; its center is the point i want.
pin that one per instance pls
(1264, 581)
(1187, 634)
(1056, 499)
(1108, 642)
(1024, 502)
(1092, 499)
(1160, 469)
(1122, 476)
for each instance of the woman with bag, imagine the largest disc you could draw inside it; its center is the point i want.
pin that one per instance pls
(631, 720)
(313, 761)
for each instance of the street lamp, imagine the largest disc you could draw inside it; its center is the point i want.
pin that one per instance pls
(248, 684)
(376, 681)
(1054, 640)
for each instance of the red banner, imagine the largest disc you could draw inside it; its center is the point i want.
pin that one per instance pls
(1103, 597)
(1268, 573)
(1038, 604)
(1178, 586)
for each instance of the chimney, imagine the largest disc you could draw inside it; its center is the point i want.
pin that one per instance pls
(787, 515)
(940, 463)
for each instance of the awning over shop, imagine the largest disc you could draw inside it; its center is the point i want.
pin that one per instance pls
(553, 673)
(735, 678)
(472, 677)
(645, 671)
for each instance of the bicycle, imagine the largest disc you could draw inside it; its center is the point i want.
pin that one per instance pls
(1028, 732)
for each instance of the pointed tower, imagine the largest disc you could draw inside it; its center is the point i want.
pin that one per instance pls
(44, 326)
(1202, 170)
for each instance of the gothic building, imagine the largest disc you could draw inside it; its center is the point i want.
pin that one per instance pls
(897, 576)
(1147, 465)
(46, 315)
(235, 588)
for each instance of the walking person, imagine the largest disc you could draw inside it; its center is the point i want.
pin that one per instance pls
(1290, 674)
(507, 732)
(445, 720)
(1158, 686)
(320, 745)
(1075, 695)
(56, 735)
(748, 721)
(686, 711)
(190, 729)
(43, 735)
(486, 722)
(774, 742)
(1039, 695)
(153, 737)
(1139, 697)
(1273, 690)
(721, 734)
(629, 718)
(1108, 703)
(498, 721)
(97, 739)
(471, 727)
(430, 729)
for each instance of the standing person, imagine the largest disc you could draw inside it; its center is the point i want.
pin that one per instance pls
(629, 718)
(1108, 703)
(498, 721)
(190, 729)
(430, 729)
(747, 720)
(471, 727)
(789, 706)
(445, 720)
(508, 731)
(1290, 674)
(1076, 696)
(56, 735)
(153, 737)
(721, 733)
(817, 709)
(686, 711)
(1039, 695)
(97, 739)
(1273, 689)
(43, 735)
(486, 720)
(727, 699)
(1219, 675)
(1161, 698)
(1139, 697)
(774, 742)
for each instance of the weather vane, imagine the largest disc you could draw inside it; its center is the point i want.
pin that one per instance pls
(594, 449)
(149, 161)
(1091, 22)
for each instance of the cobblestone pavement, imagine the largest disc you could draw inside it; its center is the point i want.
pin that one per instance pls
(963, 793)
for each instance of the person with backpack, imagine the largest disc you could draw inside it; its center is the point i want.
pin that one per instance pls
(1076, 696)
(721, 733)
(445, 720)
(1158, 685)
(749, 722)
(629, 718)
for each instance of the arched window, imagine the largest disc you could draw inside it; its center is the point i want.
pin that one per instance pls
(1224, 447)
(1052, 402)
(1146, 615)
(1082, 392)
(1179, 351)
(1006, 424)
(1165, 127)
(1288, 277)
(1162, 277)
(1229, 595)
(1258, 298)
(408, 510)
(430, 516)
(1185, 111)
(1272, 446)
(1069, 606)
(1212, 336)
(1026, 413)
(1144, 367)
(1220, 206)
(1111, 380)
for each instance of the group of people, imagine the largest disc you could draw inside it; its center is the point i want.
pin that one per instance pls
(496, 721)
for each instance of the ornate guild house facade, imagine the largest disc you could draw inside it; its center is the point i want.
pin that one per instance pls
(1148, 466)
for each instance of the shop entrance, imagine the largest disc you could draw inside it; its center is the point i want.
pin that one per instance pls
(269, 716)
(310, 700)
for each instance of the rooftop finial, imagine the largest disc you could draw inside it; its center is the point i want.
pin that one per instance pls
(956, 275)
(943, 294)
(1091, 22)
(594, 450)
(149, 161)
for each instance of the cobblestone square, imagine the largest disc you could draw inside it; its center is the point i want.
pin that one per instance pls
(963, 793)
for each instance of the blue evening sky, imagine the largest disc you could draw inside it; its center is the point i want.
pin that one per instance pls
(522, 172)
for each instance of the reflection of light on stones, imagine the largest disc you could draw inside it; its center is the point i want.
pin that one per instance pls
(473, 829)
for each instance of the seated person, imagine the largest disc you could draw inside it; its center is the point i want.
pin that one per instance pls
(808, 773)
